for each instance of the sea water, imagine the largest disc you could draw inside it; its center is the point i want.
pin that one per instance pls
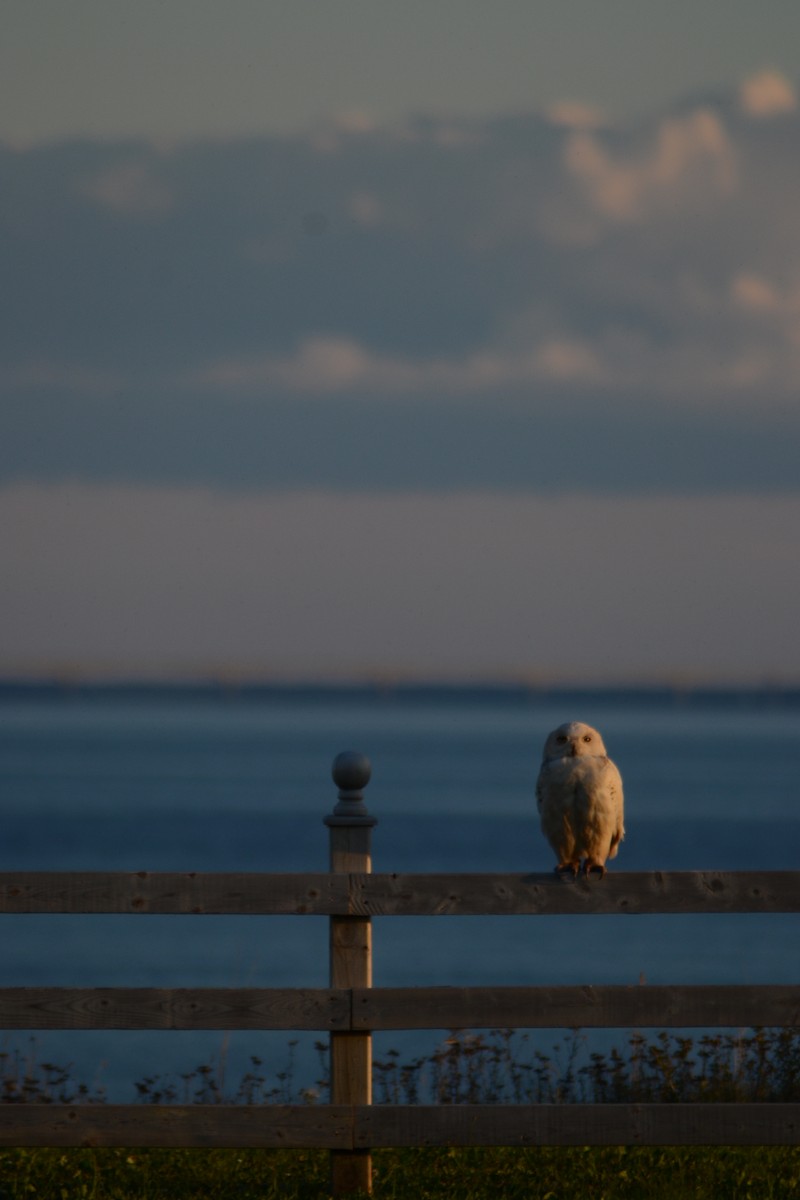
(239, 780)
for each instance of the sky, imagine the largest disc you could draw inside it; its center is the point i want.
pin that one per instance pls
(172, 69)
(365, 340)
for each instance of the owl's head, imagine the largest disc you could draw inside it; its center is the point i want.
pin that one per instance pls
(572, 740)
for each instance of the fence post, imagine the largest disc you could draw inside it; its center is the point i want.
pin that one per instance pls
(351, 961)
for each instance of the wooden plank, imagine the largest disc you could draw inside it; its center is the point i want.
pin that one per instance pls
(545, 1007)
(339, 1127)
(341, 894)
(350, 946)
(580, 1125)
(193, 893)
(571, 1007)
(174, 1008)
(199, 1125)
(628, 893)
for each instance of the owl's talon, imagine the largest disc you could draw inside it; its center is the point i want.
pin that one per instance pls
(590, 866)
(568, 868)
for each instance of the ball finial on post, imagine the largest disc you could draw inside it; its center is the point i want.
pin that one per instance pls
(351, 773)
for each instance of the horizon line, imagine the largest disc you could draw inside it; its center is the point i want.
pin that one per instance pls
(66, 680)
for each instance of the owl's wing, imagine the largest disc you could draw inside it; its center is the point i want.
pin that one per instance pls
(557, 820)
(613, 781)
(547, 791)
(539, 793)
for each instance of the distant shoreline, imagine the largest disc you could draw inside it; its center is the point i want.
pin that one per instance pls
(251, 690)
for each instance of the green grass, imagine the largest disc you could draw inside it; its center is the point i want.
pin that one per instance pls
(496, 1067)
(465, 1174)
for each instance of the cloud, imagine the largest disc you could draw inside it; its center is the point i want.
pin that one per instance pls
(755, 294)
(366, 208)
(329, 365)
(763, 297)
(129, 189)
(767, 94)
(355, 121)
(692, 373)
(774, 360)
(570, 361)
(321, 364)
(333, 135)
(692, 159)
(454, 291)
(572, 114)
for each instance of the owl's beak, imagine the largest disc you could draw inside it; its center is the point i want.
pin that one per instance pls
(573, 749)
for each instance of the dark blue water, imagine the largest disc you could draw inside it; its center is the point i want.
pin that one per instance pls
(211, 781)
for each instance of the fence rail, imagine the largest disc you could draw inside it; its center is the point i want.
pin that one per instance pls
(391, 895)
(348, 1129)
(349, 895)
(359, 1010)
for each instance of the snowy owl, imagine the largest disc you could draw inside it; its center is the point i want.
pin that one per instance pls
(579, 797)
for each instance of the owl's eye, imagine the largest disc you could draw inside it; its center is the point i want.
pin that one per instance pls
(587, 737)
(561, 738)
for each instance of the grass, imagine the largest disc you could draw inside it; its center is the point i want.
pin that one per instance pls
(498, 1067)
(602, 1173)
(504, 1067)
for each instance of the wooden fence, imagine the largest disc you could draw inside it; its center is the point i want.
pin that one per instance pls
(351, 1008)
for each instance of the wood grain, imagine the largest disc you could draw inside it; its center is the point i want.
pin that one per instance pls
(193, 894)
(350, 944)
(361, 1010)
(623, 893)
(198, 1125)
(571, 1007)
(343, 894)
(580, 1125)
(344, 1128)
(174, 1008)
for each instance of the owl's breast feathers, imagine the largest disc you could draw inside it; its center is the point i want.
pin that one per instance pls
(580, 804)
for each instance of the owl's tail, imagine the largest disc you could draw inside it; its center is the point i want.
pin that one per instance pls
(615, 841)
